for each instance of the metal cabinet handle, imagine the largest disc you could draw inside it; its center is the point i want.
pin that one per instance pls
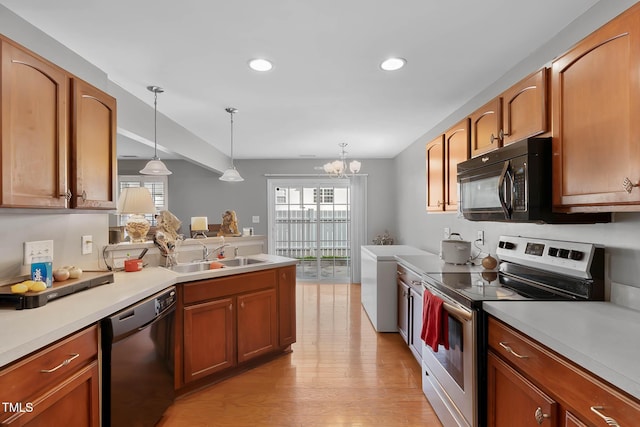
(540, 416)
(65, 362)
(610, 421)
(500, 136)
(67, 195)
(628, 185)
(242, 304)
(510, 350)
(84, 196)
(230, 307)
(416, 282)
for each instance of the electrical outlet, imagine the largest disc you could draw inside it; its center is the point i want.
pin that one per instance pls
(37, 248)
(447, 232)
(87, 244)
(480, 237)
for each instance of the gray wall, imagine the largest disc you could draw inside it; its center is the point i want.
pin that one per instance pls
(418, 228)
(195, 191)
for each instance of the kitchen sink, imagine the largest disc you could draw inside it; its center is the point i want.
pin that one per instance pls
(190, 267)
(193, 267)
(237, 262)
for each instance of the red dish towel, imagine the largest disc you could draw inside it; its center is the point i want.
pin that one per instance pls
(435, 328)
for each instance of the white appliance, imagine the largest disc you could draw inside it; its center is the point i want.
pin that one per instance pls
(378, 283)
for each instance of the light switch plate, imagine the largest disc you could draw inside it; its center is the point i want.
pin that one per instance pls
(87, 244)
(37, 248)
(255, 219)
(447, 232)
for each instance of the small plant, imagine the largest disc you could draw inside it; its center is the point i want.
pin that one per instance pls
(383, 239)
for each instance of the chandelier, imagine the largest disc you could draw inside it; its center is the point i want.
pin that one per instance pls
(338, 168)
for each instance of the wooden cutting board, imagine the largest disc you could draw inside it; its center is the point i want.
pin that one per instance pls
(59, 289)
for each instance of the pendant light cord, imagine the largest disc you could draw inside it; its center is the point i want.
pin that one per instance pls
(155, 126)
(232, 138)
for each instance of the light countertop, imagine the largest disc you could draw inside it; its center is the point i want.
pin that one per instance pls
(599, 336)
(25, 331)
(431, 263)
(388, 252)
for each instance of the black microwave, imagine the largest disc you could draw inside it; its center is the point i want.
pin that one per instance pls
(513, 183)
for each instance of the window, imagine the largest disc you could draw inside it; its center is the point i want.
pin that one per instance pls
(157, 186)
(326, 195)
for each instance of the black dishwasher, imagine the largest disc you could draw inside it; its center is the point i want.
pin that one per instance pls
(137, 362)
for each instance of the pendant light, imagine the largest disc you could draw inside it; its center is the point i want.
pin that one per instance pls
(231, 174)
(155, 166)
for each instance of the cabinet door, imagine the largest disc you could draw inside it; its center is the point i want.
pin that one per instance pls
(34, 136)
(257, 324)
(209, 338)
(525, 108)
(415, 342)
(514, 401)
(456, 150)
(571, 420)
(485, 127)
(435, 175)
(287, 305)
(595, 110)
(403, 310)
(73, 402)
(93, 146)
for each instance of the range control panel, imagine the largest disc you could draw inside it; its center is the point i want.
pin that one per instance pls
(571, 258)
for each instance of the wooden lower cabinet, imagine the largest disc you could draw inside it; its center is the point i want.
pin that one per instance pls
(525, 375)
(257, 324)
(209, 338)
(513, 400)
(56, 386)
(287, 305)
(227, 322)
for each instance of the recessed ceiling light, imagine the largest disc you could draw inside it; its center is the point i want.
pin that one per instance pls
(260, 64)
(393, 64)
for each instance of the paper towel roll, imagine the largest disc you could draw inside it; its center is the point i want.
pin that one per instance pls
(199, 223)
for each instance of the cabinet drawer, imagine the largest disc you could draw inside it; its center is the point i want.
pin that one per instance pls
(26, 377)
(409, 277)
(205, 290)
(576, 388)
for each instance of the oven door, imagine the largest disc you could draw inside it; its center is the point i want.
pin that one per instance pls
(451, 373)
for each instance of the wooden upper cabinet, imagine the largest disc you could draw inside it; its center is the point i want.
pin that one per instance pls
(435, 175)
(58, 137)
(34, 123)
(524, 106)
(486, 123)
(93, 145)
(456, 142)
(595, 110)
(443, 155)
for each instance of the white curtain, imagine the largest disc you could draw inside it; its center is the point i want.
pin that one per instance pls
(359, 222)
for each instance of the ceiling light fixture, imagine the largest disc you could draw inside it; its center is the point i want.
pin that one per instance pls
(155, 166)
(338, 168)
(393, 64)
(231, 174)
(260, 64)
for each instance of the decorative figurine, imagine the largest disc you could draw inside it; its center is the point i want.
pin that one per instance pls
(229, 225)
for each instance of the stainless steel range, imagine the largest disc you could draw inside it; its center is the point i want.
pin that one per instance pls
(454, 378)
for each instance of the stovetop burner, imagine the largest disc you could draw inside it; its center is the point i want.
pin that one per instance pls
(531, 269)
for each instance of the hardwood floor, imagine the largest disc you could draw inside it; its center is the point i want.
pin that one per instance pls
(340, 373)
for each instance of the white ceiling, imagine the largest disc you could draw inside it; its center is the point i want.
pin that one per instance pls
(326, 86)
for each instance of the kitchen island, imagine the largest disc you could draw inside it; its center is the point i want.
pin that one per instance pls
(25, 331)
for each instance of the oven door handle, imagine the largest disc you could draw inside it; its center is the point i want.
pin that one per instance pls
(456, 312)
(502, 191)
